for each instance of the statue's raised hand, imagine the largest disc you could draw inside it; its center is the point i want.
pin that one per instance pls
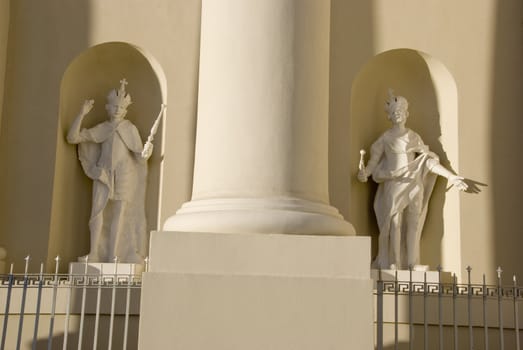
(87, 106)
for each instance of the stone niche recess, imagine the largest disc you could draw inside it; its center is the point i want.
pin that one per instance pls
(91, 75)
(432, 94)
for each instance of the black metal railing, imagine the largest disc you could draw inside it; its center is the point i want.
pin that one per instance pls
(89, 298)
(433, 308)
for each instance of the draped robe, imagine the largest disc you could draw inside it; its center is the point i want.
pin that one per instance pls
(410, 185)
(110, 156)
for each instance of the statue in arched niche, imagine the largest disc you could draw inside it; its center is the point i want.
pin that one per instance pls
(113, 156)
(406, 171)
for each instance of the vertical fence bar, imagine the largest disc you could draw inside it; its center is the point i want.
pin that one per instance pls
(127, 311)
(500, 310)
(379, 307)
(440, 308)
(396, 289)
(7, 303)
(53, 305)
(98, 301)
(113, 297)
(22, 305)
(38, 304)
(485, 322)
(411, 324)
(454, 300)
(71, 279)
(516, 316)
(82, 311)
(425, 323)
(469, 309)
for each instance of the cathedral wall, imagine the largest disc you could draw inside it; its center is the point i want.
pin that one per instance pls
(4, 31)
(480, 43)
(45, 38)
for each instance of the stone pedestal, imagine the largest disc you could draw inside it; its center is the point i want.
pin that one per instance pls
(416, 276)
(249, 291)
(111, 269)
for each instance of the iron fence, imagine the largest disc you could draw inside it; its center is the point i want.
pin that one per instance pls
(104, 304)
(86, 309)
(447, 314)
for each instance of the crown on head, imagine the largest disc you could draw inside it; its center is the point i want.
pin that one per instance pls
(395, 103)
(120, 97)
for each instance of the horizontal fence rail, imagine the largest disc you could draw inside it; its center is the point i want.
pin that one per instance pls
(89, 309)
(446, 314)
(97, 309)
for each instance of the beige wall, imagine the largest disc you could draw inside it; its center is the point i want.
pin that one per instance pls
(4, 31)
(480, 43)
(45, 38)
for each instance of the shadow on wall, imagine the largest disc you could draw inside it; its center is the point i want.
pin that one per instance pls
(432, 97)
(43, 36)
(506, 140)
(351, 45)
(92, 75)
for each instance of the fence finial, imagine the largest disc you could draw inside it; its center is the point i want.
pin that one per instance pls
(57, 264)
(27, 258)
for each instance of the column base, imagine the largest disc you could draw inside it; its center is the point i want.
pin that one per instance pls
(259, 215)
(242, 291)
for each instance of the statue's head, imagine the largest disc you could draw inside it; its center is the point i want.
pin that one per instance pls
(118, 101)
(396, 107)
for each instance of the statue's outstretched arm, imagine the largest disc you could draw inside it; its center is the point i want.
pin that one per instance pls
(73, 136)
(455, 180)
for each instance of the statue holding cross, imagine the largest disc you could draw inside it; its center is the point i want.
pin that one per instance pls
(113, 156)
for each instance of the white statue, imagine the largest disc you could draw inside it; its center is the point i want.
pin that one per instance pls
(112, 155)
(406, 171)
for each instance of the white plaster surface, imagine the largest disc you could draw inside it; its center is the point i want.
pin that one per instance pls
(95, 268)
(262, 131)
(417, 276)
(255, 254)
(249, 291)
(238, 312)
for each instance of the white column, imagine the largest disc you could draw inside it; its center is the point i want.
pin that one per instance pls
(261, 144)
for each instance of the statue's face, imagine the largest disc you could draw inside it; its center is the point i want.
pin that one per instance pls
(116, 112)
(399, 116)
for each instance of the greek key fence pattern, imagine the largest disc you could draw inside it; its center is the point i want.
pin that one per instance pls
(95, 296)
(458, 297)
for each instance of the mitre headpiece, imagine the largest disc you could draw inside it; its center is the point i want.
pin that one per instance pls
(395, 102)
(119, 97)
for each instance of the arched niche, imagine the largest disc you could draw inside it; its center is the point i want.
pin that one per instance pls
(432, 94)
(91, 75)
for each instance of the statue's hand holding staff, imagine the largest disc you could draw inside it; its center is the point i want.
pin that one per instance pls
(362, 174)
